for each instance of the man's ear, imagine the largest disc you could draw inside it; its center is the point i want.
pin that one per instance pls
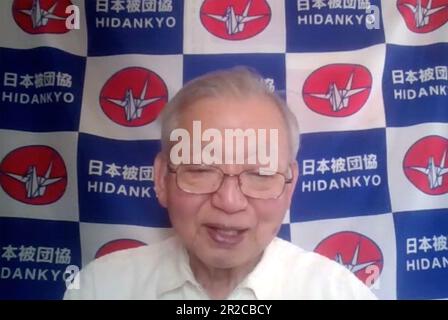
(295, 178)
(160, 175)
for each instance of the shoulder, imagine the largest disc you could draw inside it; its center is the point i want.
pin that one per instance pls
(308, 275)
(118, 275)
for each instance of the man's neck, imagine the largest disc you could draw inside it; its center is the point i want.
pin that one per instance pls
(219, 282)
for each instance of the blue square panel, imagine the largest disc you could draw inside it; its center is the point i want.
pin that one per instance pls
(415, 84)
(34, 257)
(422, 254)
(115, 182)
(119, 27)
(41, 89)
(342, 174)
(319, 26)
(270, 66)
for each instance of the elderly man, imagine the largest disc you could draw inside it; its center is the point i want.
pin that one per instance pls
(226, 202)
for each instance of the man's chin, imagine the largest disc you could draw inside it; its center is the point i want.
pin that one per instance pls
(223, 262)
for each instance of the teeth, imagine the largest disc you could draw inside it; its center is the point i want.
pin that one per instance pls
(226, 236)
(227, 232)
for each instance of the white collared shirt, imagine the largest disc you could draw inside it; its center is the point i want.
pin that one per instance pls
(162, 271)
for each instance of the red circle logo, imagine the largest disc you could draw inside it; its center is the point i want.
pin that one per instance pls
(33, 175)
(41, 16)
(423, 16)
(337, 90)
(356, 252)
(235, 19)
(133, 97)
(425, 165)
(117, 245)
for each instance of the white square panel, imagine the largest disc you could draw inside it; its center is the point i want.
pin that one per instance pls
(336, 91)
(21, 34)
(212, 26)
(372, 235)
(403, 26)
(409, 154)
(127, 83)
(42, 187)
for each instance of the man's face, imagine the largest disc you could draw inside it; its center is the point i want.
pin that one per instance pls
(227, 229)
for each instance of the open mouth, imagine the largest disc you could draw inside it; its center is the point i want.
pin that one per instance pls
(225, 236)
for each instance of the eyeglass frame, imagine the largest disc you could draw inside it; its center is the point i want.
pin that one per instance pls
(173, 170)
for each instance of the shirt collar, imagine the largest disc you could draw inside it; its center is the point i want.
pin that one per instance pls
(256, 280)
(177, 272)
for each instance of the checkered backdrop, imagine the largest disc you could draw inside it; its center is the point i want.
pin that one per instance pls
(78, 137)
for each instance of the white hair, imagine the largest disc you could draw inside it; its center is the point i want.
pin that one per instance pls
(236, 82)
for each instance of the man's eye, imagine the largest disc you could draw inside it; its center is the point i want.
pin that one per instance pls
(200, 171)
(262, 173)
(257, 176)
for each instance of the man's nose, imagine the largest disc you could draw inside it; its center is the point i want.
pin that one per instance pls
(229, 197)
